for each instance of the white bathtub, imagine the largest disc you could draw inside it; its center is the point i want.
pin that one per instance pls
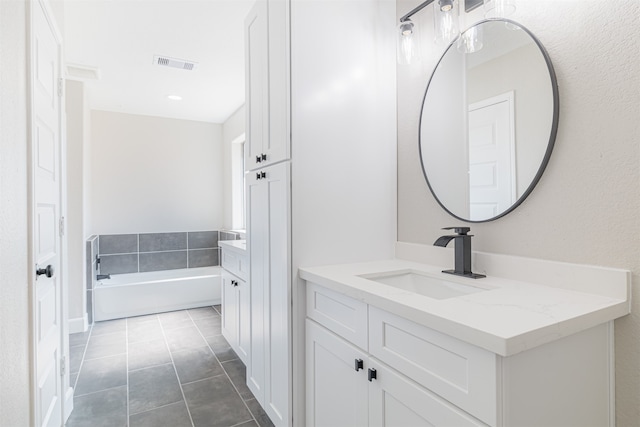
(136, 294)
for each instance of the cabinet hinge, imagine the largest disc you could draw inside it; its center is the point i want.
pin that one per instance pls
(63, 366)
(60, 87)
(61, 226)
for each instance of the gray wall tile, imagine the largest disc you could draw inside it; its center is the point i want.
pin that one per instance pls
(88, 262)
(94, 245)
(153, 242)
(118, 244)
(156, 261)
(117, 264)
(204, 257)
(229, 235)
(203, 239)
(90, 306)
(92, 272)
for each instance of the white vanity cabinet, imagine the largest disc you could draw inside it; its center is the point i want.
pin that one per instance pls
(268, 371)
(400, 373)
(267, 84)
(236, 309)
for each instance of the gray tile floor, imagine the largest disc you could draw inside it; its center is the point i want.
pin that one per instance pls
(171, 369)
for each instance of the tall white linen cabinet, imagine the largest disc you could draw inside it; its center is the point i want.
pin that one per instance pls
(320, 161)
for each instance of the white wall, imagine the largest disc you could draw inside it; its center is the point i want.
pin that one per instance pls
(76, 122)
(232, 129)
(585, 208)
(153, 174)
(14, 265)
(343, 130)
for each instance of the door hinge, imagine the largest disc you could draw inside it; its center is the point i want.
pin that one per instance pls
(61, 226)
(60, 87)
(63, 366)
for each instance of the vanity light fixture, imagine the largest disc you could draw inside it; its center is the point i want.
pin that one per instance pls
(445, 24)
(408, 43)
(499, 8)
(445, 21)
(471, 40)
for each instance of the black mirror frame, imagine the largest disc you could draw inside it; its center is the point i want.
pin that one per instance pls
(552, 136)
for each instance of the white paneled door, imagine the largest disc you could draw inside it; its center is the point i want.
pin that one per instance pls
(46, 151)
(492, 166)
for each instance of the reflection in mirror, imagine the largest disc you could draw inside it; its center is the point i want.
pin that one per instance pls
(488, 121)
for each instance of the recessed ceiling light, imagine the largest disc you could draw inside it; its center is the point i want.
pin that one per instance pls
(174, 97)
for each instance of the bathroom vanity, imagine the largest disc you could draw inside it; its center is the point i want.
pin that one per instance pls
(236, 308)
(397, 342)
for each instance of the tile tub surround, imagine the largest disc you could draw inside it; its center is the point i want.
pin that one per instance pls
(133, 253)
(91, 271)
(171, 369)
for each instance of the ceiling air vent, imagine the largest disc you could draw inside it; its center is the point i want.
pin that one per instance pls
(174, 62)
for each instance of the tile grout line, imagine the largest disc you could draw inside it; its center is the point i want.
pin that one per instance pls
(84, 353)
(253, 417)
(173, 364)
(126, 344)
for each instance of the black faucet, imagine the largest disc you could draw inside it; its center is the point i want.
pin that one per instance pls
(462, 250)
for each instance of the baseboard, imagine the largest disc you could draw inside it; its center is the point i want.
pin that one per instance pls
(79, 324)
(68, 403)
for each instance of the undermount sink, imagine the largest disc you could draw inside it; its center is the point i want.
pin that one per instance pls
(423, 284)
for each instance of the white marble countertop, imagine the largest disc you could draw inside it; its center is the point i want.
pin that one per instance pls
(508, 317)
(240, 245)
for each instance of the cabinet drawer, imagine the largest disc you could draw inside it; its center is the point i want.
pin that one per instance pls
(344, 316)
(235, 263)
(395, 400)
(463, 374)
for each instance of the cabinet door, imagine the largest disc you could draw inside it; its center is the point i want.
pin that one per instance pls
(396, 401)
(257, 83)
(336, 394)
(229, 309)
(278, 295)
(268, 371)
(244, 321)
(277, 145)
(257, 246)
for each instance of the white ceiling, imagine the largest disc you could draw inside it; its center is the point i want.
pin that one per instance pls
(120, 38)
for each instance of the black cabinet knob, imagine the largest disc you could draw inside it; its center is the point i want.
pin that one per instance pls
(48, 271)
(359, 364)
(258, 159)
(263, 157)
(372, 375)
(263, 174)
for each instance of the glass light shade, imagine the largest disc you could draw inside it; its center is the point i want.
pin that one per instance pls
(408, 49)
(499, 8)
(445, 15)
(471, 40)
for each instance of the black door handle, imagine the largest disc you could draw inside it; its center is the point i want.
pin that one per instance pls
(372, 375)
(359, 364)
(48, 271)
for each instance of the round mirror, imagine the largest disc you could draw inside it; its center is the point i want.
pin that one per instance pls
(489, 120)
